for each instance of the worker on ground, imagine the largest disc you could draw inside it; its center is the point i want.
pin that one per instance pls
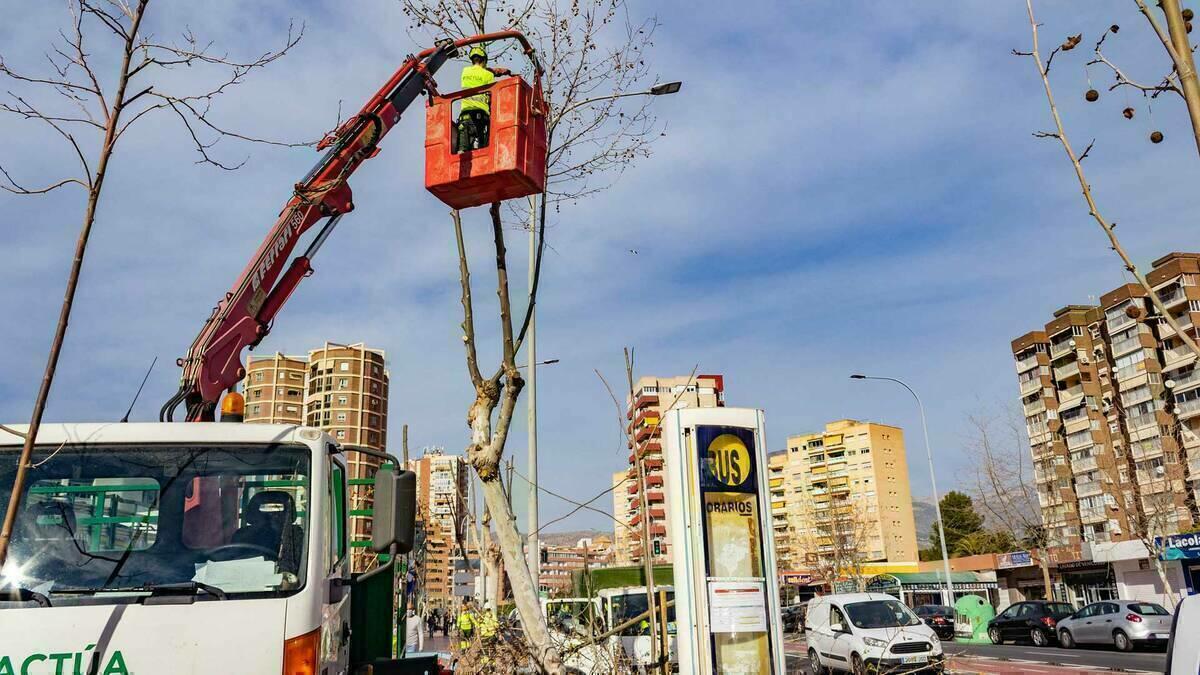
(466, 625)
(414, 632)
(474, 120)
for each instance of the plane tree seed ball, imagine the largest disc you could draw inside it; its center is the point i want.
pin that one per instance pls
(1156, 137)
(1188, 15)
(1128, 113)
(1092, 96)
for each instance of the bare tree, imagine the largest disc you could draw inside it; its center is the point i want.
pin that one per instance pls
(1059, 133)
(91, 119)
(1005, 488)
(833, 539)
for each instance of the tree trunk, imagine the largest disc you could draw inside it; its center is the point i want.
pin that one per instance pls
(1168, 587)
(1182, 56)
(524, 594)
(1045, 565)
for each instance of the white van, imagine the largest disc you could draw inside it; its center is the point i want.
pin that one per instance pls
(869, 632)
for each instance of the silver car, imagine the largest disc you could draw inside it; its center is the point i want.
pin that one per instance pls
(1121, 623)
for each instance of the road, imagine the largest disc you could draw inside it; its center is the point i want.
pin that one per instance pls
(1021, 658)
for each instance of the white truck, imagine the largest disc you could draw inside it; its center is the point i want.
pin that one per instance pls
(191, 548)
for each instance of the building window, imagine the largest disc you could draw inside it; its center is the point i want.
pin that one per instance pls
(341, 417)
(343, 383)
(340, 434)
(342, 400)
(344, 366)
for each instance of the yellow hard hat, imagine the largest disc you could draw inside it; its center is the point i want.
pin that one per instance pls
(478, 51)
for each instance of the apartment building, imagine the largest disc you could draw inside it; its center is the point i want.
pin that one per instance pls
(842, 495)
(442, 511)
(1110, 398)
(274, 389)
(624, 538)
(559, 563)
(342, 389)
(651, 397)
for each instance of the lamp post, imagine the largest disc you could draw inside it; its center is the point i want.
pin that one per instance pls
(532, 549)
(937, 507)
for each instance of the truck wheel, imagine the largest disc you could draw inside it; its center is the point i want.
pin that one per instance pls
(814, 663)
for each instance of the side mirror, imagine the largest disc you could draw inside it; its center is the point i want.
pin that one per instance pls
(837, 628)
(395, 510)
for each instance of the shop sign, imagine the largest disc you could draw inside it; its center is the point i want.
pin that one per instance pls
(1007, 561)
(1179, 546)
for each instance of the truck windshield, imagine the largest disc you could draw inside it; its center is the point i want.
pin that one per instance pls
(100, 520)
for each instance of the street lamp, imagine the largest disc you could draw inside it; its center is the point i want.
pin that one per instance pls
(532, 551)
(937, 507)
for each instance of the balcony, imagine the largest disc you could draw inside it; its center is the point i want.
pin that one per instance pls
(1064, 372)
(653, 496)
(1186, 381)
(1175, 297)
(1083, 464)
(1070, 395)
(1030, 386)
(1118, 322)
(1059, 348)
(1077, 424)
(1122, 347)
(1187, 409)
(1130, 371)
(1037, 407)
(1194, 467)
(1088, 488)
(1026, 363)
(1174, 358)
(1093, 515)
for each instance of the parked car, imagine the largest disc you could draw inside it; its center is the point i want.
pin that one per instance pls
(1121, 623)
(1033, 620)
(938, 617)
(1183, 655)
(793, 618)
(869, 632)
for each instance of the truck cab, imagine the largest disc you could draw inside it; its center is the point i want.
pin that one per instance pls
(180, 548)
(575, 621)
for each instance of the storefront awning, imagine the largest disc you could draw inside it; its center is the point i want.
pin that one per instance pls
(929, 581)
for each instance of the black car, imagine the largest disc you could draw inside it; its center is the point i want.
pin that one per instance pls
(793, 618)
(1033, 620)
(938, 617)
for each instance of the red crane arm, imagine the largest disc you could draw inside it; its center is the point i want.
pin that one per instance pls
(243, 317)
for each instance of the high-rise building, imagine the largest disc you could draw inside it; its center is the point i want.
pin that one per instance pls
(342, 389)
(842, 498)
(1111, 400)
(274, 389)
(624, 537)
(442, 511)
(652, 396)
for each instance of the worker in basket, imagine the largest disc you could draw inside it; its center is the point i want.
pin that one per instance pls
(474, 119)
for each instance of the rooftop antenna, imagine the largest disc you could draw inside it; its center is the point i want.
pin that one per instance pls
(139, 390)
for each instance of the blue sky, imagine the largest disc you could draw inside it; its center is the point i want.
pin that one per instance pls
(843, 187)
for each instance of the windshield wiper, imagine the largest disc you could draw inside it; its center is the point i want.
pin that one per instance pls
(183, 593)
(18, 594)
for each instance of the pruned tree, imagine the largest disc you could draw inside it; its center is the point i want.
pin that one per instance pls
(69, 99)
(1059, 133)
(594, 58)
(834, 539)
(1004, 486)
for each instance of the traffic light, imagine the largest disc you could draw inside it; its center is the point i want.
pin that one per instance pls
(657, 547)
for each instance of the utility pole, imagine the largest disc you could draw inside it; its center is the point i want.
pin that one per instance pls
(532, 549)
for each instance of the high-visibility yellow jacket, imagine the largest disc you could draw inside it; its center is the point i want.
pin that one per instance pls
(466, 621)
(476, 76)
(487, 625)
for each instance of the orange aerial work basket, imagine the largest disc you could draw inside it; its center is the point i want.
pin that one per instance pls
(511, 165)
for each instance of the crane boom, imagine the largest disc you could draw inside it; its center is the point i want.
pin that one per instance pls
(243, 317)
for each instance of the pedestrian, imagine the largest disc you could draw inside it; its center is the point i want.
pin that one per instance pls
(414, 632)
(430, 622)
(445, 620)
(475, 117)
